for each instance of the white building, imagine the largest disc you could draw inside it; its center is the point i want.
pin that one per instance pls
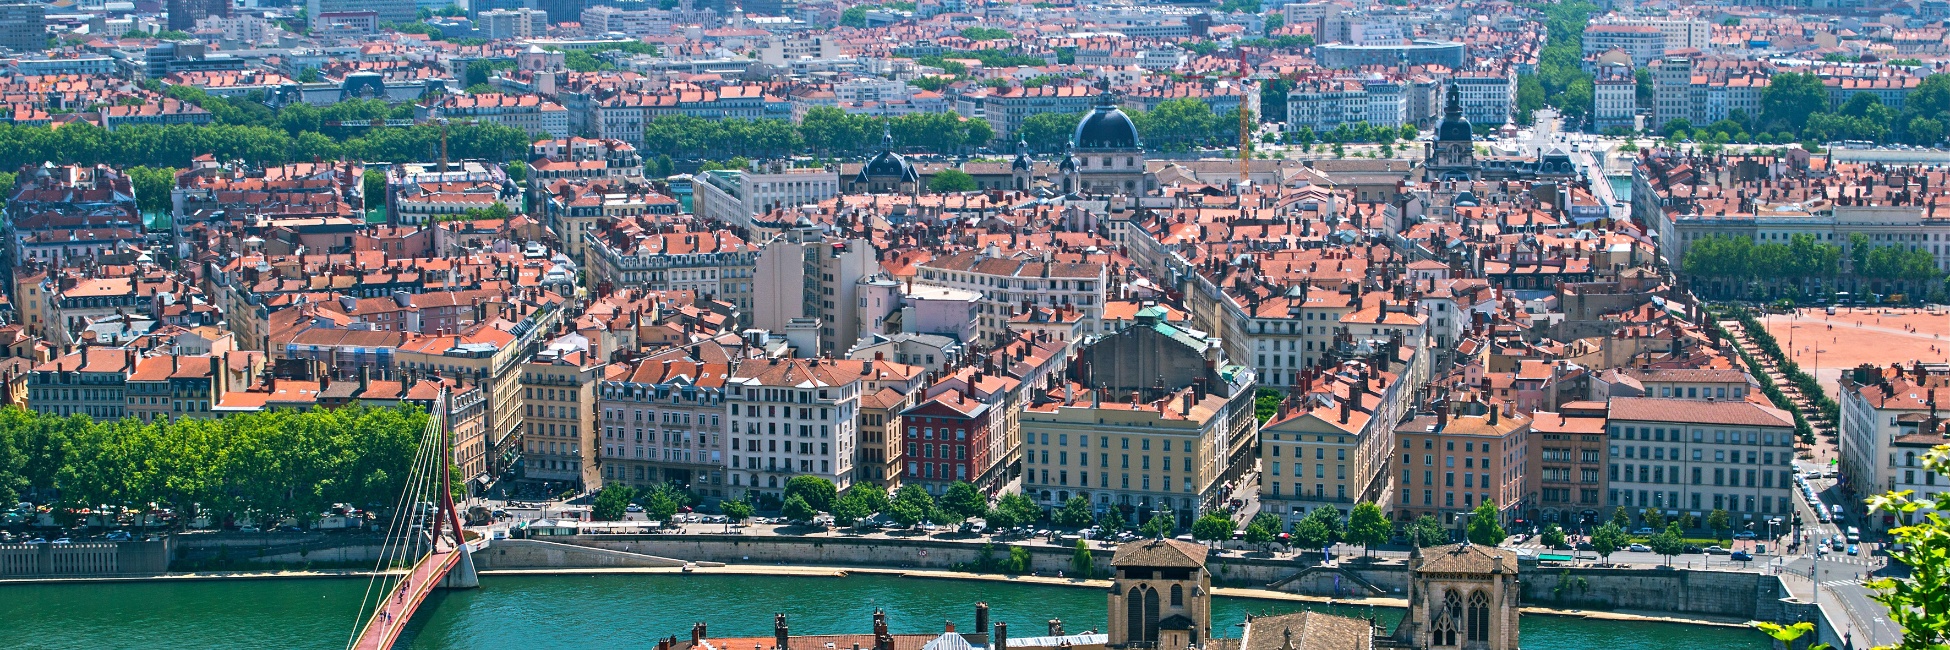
(735, 196)
(793, 417)
(500, 24)
(1695, 456)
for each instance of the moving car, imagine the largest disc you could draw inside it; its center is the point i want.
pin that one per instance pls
(1716, 550)
(1745, 534)
(1639, 548)
(1852, 549)
(1740, 556)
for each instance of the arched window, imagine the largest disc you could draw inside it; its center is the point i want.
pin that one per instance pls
(1150, 615)
(1479, 616)
(1447, 618)
(1134, 615)
(1177, 596)
(1909, 459)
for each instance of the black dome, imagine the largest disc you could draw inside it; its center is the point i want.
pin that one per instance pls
(888, 164)
(1454, 128)
(1107, 127)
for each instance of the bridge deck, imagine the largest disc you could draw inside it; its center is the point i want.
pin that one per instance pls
(384, 627)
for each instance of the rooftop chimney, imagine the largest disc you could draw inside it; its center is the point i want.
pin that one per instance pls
(1001, 639)
(1056, 627)
(981, 617)
(779, 634)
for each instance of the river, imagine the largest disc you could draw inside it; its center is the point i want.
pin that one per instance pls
(617, 611)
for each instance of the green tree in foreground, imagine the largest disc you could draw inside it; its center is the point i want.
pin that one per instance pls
(661, 502)
(797, 510)
(1621, 518)
(1669, 542)
(911, 505)
(1112, 520)
(963, 501)
(1212, 526)
(735, 512)
(1607, 539)
(817, 492)
(1367, 526)
(1921, 602)
(1427, 531)
(856, 504)
(1483, 527)
(1159, 526)
(1080, 562)
(1719, 522)
(1788, 634)
(612, 502)
(1553, 536)
(1012, 510)
(1075, 513)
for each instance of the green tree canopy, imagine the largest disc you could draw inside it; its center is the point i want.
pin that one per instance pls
(1607, 539)
(797, 510)
(1427, 531)
(1075, 513)
(962, 501)
(951, 180)
(1367, 526)
(612, 502)
(1159, 526)
(911, 505)
(1484, 528)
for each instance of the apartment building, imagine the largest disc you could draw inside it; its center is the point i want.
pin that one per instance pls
(1695, 456)
(1328, 444)
(737, 196)
(1154, 421)
(663, 421)
(1012, 284)
(881, 460)
(1677, 32)
(716, 264)
(602, 20)
(529, 113)
(1615, 100)
(1453, 463)
(1565, 472)
(1321, 106)
(1886, 414)
(793, 417)
(807, 285)
(558, 394)
(91, 381)
(500, 24)
(1488, 97)
(1006, 108)
(1644, 43)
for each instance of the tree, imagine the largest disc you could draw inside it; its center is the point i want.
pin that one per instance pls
(1921, 602)
(1159, 526)
(1719, 522)
(1553, 536)
(735, 512)
(1621, 518)
(911, 505)
(1075, 513)
(854, 16)
(1263, 529)
(985, 34)
(1047, 132)
(661, 502)
(1212, 526)
(1310, 533)
(612, 502)
(796, 509)
(1112, 520)
(962, 501)
(1484, 528)
(1019, 560)
(1367, 526)
(1012, 510)
(1330, 521)
(1607, 539)
(1426, 531)
(1654, 518)
(817, 492)
(857, 503)
(1669, 542)
(1791, 98)
(951, 180)
(1080, 562)
(152, 187)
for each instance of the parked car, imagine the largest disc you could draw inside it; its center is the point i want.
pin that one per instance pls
(1740, 556)
(1716, 550)
(1647, 531)
(1690, 549)
(1639, 548)
(633, 508)
(1745, 534)
(120, 536)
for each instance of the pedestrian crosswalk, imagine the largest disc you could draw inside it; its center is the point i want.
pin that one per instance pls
(1837, 583)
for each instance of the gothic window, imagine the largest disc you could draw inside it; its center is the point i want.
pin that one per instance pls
(1446, 619)
(1177, 596)
(1479, 616)
(1134, 615)
(1150, 615)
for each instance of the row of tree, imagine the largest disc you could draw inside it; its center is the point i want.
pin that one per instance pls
(176, 145)
(1561, 79)
(1173, 125)
(1726, 263)
(831, 131)
(268, 465)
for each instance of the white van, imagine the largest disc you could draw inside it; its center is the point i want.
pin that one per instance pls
(1854, 535)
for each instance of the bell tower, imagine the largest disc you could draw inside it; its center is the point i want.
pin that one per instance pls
(1461, 596)
(1160, 596)
(1452, 155)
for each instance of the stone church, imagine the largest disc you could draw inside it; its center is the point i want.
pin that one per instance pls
(1461, 597)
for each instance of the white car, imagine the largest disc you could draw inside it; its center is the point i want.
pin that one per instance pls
(1639, 548)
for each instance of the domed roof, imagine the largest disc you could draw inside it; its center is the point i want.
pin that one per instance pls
(1106, 127)
(888, 164)
(1454, 127)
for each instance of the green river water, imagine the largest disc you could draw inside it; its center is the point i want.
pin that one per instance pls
(631, 611)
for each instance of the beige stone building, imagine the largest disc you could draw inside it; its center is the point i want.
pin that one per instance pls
(1160, 596)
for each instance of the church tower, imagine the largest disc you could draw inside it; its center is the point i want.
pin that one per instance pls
(1452, 156)
(1022, 170)
(1461, 596)
(1161, 596)
(1106, 156)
